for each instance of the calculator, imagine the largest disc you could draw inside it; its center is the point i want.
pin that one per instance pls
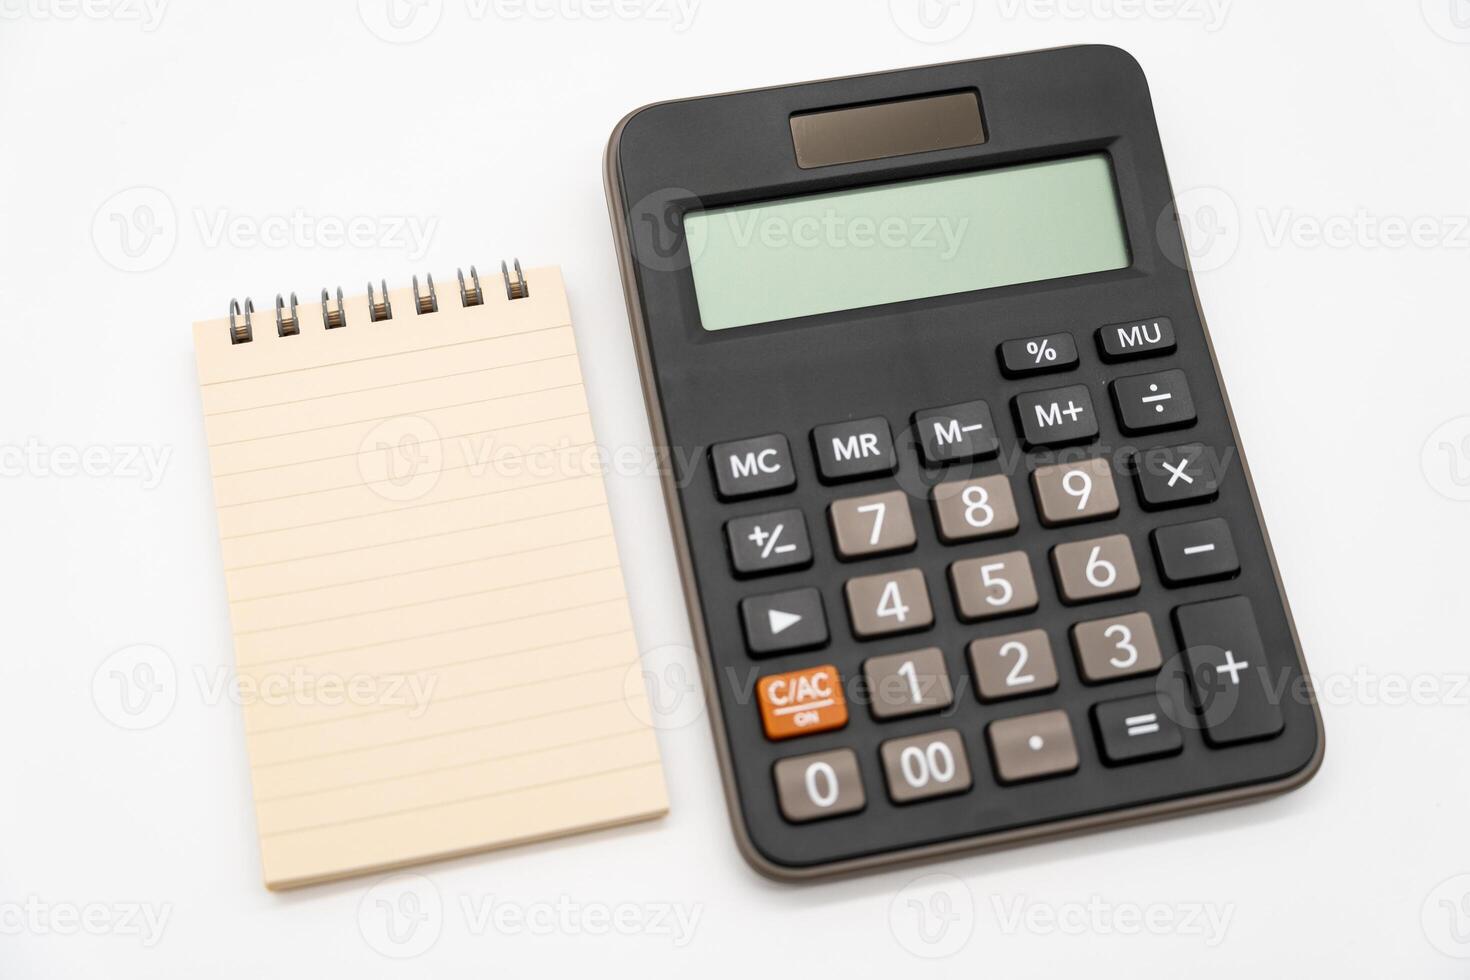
(970, 549)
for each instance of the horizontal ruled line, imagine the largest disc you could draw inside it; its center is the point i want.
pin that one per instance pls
(580, 777)
(426, 636)
(499, 366)
(369, 483)
(391, 708)
(394, 415)
(518, 720)
(399, 510)
(422, 442)
(534, 549)
(426, 602)
(379, 357)
(459, 765)
(421, 537)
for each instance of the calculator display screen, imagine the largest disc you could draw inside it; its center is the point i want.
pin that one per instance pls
(894, 242)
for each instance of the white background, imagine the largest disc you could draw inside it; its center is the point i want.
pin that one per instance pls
(1346, 359)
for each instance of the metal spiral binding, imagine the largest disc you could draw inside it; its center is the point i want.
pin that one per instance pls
(425, 304)
(333, 318)
(242, 333)
(287, 325)
(515, 288)
(380, 306)
(379, 311)
(471, 295)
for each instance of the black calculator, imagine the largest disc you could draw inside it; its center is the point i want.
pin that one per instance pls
(971, 552)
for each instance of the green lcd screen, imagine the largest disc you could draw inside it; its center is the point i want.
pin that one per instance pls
(896, 242)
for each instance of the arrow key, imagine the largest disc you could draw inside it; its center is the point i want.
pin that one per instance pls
(781, 622)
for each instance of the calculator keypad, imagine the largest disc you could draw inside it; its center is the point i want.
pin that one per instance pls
(896, 602)
(1056, 417)
(1171, 476)
(998, 585)
(1032, 746)
(872, 525)
(1117, 654)
(1152, 402)
(851, 450)
(822, 784)
(969, 509)
(1070, 492)
(750, 467)
(956, 433)
(911, 683)
(802, 702)
(1117, 647)
(923, 766)
(1012, 665)
(768, 542)
(1096, 568)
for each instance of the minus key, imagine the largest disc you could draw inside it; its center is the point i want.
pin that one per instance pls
(1195, 552)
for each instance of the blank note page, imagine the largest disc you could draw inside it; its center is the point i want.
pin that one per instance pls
(431, 632)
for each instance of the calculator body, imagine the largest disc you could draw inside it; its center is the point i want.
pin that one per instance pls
(1089, 628)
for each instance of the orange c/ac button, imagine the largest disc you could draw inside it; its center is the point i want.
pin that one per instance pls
(802, 702)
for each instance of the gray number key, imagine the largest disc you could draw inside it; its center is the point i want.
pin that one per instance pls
(872, 525)
(1096, 568)
(923, 766)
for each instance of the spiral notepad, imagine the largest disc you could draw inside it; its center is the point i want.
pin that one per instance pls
(432, 637)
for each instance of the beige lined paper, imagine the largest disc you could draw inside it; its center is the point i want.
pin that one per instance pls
(432, 638)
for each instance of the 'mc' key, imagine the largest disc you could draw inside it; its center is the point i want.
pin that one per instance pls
(753, 466)
(848, 450)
